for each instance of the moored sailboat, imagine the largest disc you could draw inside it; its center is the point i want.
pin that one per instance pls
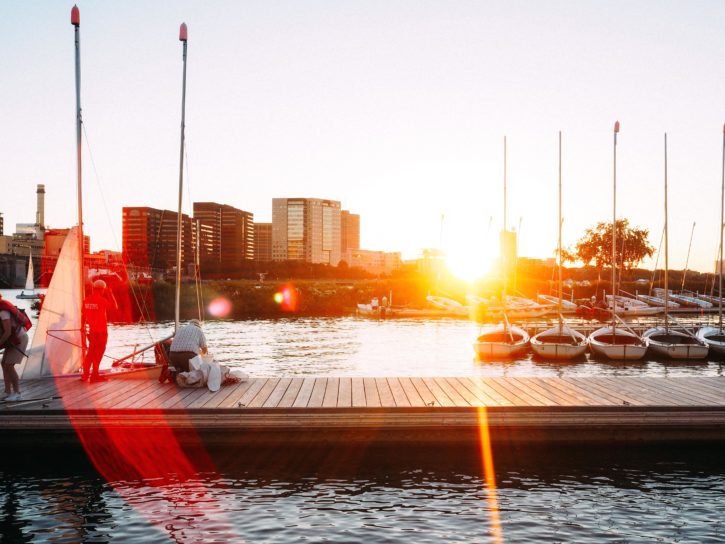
(665, 341)
(714, 337)
(561, 341)
(58, 348)
(501, 340)
(29, 281)
(609, 341)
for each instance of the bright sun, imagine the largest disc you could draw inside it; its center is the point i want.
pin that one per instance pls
(470, 259)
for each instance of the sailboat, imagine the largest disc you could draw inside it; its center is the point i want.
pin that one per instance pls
(58, 347)
(666, 341)
(618, 344)
(714, 337)
(502, 340)
(29, 282)
(561, 341)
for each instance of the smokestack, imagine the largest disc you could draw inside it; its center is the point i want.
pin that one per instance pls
(40, 213)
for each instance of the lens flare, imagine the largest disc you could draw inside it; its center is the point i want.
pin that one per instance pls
(220, 307)
(489, 475)
(288, 298)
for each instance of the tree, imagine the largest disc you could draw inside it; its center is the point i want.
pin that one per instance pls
(596, 246)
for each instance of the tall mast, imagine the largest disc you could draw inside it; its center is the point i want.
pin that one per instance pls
(559, 247)
(614, 233)
(75, 20)
(667, 262)
(722, 222)
(177, 301)
(504, 248)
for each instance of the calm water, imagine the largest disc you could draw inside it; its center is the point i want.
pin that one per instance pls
(567, 494)
(541, 496)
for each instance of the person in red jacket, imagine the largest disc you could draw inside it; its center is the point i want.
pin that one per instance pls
(95, 328)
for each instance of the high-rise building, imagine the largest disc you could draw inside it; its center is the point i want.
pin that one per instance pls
(306, 229)
(263, 242)
(149, 238)
(2, 224)
(232, 234)
(349, 231)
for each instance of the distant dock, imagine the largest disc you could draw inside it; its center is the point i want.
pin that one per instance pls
(381, 410)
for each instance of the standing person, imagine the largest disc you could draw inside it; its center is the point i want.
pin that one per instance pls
(188, 342)
(95, 320)
(15, 341)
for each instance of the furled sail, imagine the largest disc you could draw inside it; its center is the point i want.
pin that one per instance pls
(56, 345)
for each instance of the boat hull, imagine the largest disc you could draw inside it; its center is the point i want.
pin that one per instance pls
(674, 344)
(28, 296)
(714, 338)
(559, 344)
(501, 342)
(619, 345)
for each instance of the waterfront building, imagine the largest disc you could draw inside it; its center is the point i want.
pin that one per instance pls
(263, 242)
(374, 262)
(306, 229)
(149, 238)
(228, 240)
(349, 231)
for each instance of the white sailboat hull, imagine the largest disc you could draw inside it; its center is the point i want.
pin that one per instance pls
(618, 345)
(714, 337)
(498, 341)
(675, 344)
(559, 343)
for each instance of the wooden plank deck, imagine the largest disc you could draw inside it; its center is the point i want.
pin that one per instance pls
(389, 409)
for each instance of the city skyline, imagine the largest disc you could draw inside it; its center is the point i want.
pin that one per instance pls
(399, 109)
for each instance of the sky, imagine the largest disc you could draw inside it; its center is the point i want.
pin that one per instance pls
(396, 108)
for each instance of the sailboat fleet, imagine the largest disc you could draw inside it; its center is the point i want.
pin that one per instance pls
(616, 340)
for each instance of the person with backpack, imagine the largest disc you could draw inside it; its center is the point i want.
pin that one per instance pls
(14, 340)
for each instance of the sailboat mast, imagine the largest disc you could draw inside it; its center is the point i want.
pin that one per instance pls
(667, 261)
(561, 294)
(614, 233)
(504, 261)
(177, 300)
(75, 19)
(722, 222)
(687, 260)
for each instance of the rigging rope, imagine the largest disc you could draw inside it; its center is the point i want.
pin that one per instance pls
(141, 304)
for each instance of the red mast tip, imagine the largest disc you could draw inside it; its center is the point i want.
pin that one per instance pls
(723, 129)
(616, 127)
(75, 16)
(182, 32)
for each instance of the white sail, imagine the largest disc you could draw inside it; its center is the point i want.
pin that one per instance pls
(29, 283)
(56, 345)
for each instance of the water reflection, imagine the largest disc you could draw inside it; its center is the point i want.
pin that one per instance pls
(544, 494)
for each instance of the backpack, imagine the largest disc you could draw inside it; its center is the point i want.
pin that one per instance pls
(19, 318)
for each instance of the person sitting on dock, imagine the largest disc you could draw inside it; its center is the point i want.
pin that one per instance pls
(95, 319)
(188, 342)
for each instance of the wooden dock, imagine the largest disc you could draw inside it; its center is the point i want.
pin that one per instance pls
(387, 410)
